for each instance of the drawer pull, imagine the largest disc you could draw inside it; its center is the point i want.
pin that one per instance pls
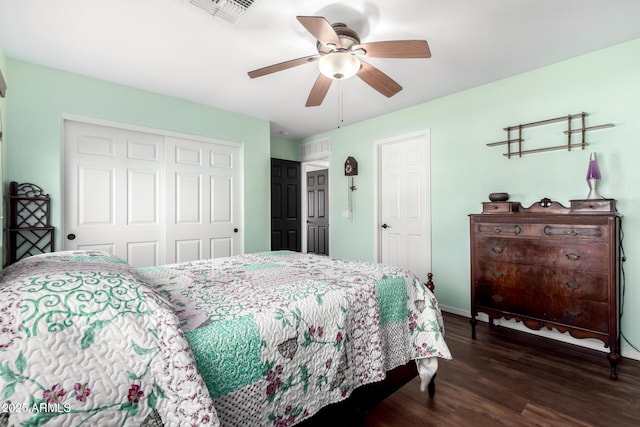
(499, 229)
(572, 285)
(572, 256)
(497, 249)
(497, 298)
(497, 274)
(574, 313)
(573, 232)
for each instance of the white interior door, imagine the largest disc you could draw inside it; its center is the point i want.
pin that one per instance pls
(404, 212)
(148, 198)
(203, 203)
(112, 187)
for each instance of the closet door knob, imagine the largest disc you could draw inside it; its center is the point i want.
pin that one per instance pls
(71, 236)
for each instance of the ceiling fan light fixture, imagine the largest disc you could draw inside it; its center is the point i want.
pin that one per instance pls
(339, 65)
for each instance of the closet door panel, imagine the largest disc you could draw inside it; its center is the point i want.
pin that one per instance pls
(112, 192)
(203, 200)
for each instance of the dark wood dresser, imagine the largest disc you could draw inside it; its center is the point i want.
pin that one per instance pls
(549, 266)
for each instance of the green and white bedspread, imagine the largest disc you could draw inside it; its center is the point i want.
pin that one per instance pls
(276, 336)
(84, 341)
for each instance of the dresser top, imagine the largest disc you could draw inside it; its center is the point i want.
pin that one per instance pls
(548, 206)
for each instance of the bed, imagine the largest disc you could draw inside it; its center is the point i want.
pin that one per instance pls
(266, 339)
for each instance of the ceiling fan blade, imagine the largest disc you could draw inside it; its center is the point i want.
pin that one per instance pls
(282, 66)
(378, 80)
(318, 91)
(396, 49)
(320, 29)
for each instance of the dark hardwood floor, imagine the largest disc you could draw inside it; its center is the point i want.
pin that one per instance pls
(511, 378)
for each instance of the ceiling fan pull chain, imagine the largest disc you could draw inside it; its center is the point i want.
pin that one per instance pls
(340, 105)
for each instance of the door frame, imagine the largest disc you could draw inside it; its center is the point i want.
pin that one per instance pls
(136, 128)
(377, 146)
(310, 166)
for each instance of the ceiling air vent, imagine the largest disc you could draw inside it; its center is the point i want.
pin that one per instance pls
(229, 10)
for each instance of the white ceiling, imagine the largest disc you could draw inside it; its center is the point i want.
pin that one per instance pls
(174, 48)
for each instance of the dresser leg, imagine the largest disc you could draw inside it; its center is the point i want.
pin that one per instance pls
(614, 359)
(473, 322)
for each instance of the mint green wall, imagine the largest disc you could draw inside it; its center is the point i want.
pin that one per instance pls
(283, 148)
(605, 84)
(41, 95)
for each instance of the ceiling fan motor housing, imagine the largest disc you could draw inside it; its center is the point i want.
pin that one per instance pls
(347, 37)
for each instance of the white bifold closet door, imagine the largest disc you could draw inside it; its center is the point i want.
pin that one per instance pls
(149, 198)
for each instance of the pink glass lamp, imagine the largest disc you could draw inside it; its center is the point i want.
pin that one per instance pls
(593, 176)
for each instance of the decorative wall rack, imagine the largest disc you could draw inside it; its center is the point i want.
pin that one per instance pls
(518, 139)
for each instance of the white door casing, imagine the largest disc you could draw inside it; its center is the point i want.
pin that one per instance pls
(313, 155)
(121, 187)
(404, 212)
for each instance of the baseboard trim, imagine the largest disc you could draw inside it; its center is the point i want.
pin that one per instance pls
(592, 344)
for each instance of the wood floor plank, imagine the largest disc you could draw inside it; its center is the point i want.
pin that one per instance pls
(543, 417)
(511, 378)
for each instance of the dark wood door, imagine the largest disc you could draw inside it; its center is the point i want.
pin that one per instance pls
(285, 205)
(317, 212)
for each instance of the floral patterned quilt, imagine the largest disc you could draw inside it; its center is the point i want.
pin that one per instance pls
(277, 336)
(84, 341)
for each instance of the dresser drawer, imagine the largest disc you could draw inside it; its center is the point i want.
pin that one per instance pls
(561, 254)
(558, 282)
(590, 232)
(592, 315)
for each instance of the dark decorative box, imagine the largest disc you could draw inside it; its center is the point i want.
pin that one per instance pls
(500, 207)
(593, 206)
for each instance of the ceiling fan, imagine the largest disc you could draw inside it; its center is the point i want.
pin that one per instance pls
(340, 56)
